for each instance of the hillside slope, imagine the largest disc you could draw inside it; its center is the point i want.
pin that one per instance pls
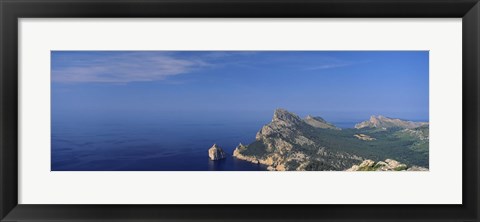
(291, 143)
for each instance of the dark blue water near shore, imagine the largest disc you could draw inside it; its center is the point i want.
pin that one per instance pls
(105, 143)
(148, 144)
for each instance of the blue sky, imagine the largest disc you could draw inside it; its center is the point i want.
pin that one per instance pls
(338, 85)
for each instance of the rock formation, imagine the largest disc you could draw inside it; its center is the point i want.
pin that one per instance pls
(387, 165)
(319, 122)
(216, 153)
(364, 137)
(291, 143)
(385, 123)
(284, 144)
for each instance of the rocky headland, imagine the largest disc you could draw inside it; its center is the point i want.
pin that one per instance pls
(286, 144)
(384, 123)
(289, 142)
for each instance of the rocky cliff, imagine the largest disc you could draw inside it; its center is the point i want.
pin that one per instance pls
(285, 144)
(385, 123)
(289, 142)
(387, 165)
(319, 122)
(216, 153)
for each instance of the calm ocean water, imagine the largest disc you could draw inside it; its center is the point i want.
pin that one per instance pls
(150, 144)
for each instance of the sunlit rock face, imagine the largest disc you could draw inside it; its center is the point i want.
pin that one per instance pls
(290, 143)
(387, 165)
(216, 153)
(319, 122)
(383, 122)
(286, 144)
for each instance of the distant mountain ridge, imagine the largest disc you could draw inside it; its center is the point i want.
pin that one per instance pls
(289, 142)
(319, 122)
(386, 122)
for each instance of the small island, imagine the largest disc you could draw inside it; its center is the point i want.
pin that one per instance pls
(216, 153)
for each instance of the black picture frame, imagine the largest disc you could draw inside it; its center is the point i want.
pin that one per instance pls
(12, 10)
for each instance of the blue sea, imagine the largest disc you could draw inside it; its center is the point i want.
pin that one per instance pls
(175, 142)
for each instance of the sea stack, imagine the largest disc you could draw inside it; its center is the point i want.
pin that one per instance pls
(216, 153)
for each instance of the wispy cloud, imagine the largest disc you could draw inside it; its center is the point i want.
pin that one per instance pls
(337, 64)
(328, 66)
(121, 67)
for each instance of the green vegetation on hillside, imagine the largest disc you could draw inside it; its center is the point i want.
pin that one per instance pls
(390, 143)
(387, 144)
(290, 143)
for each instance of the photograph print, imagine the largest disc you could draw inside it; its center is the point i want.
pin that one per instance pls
(240, 111)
